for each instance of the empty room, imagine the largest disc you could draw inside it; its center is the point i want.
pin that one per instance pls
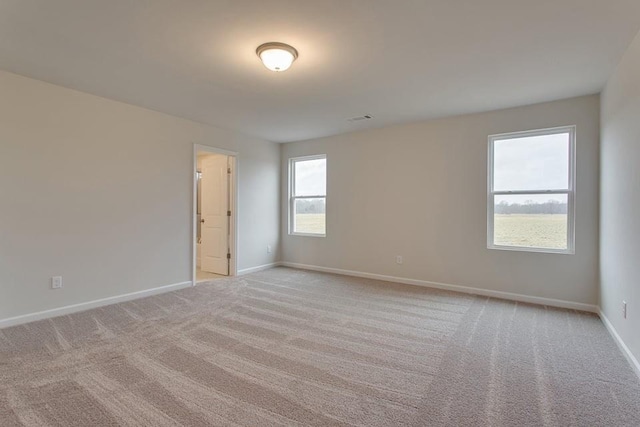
(319, 213)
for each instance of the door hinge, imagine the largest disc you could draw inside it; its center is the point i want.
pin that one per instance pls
(229, 170)
(228, 256)
(228, 213)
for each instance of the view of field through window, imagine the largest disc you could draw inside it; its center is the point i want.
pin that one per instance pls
(533, 231)
(530, 221)
(310, 223)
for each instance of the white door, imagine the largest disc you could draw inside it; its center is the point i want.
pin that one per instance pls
(215, 220)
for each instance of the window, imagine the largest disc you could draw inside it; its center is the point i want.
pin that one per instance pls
(531, 191)
(308, 195)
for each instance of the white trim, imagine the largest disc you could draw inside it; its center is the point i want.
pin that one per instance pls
(530, 249)
(83, 306)
(308, 234)
(570, 191)
(234, 227)
(216, 150)
(635, 365)
(309, 157)
(258, 268)
(456, 288)
(527, 192)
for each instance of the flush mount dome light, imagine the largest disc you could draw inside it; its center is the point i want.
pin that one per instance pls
(277, 56)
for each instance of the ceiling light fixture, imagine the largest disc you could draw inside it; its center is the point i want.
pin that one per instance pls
(277, 56)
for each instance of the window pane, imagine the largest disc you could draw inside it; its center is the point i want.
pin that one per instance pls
(531, 163)
(311, 177)
(309, 216)
(531, 221)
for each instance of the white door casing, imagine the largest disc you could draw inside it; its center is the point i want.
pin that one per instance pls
(215, 205)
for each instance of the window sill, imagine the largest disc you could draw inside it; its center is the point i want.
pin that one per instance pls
(307, 234)
(536, 250)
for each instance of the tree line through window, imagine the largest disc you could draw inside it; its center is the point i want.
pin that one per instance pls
(531, 207)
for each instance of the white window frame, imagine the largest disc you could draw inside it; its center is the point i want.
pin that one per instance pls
(570, 191)
(293, 197)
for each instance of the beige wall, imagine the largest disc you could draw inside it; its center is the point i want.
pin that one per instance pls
(620, 199)
(419, 191)
(100, 192)
(81, 197)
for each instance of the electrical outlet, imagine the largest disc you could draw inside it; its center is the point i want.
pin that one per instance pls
(399, 259)
(269, 249)
(624, 309)
(56, 282)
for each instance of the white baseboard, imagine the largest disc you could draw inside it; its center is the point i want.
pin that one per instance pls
(456, 288)
(623, 347)
(55, 312)
(258, 268)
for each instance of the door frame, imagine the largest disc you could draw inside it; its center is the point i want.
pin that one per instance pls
(233, 193)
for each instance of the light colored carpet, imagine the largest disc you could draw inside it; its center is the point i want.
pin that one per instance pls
(290, 347)
(204, 276)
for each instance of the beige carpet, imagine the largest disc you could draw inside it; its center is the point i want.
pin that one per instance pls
(289, 347)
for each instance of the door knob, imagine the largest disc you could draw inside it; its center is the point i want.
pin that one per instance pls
(202, 220)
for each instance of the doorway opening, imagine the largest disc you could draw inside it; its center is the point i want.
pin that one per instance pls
(215, 216)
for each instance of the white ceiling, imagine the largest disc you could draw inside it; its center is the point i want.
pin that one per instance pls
(399, 60)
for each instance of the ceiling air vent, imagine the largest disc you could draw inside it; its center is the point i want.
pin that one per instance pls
(359, 118)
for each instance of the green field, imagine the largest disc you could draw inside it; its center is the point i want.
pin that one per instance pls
(310, 223)
(535, 230)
